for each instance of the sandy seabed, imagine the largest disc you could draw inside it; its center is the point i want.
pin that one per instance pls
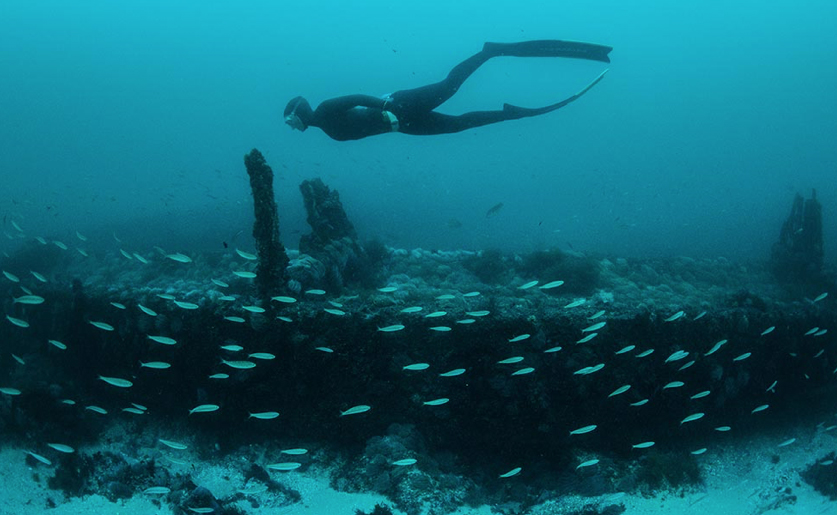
(742, 477)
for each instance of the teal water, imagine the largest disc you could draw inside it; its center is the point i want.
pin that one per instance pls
(133, 118)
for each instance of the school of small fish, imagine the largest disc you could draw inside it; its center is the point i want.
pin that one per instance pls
(410, 321)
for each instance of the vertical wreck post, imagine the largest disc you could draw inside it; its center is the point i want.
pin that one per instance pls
(272, 257)
(798, 255)
(333, 240)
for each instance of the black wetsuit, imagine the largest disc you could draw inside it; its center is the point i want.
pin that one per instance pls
(359, 116)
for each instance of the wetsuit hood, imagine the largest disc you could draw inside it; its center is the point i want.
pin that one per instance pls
(298, 113)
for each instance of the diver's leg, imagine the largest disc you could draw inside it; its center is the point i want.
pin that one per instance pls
(550, 48)
(438, 123)
(428, 98)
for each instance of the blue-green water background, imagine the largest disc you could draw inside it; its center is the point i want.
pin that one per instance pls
(133, 117)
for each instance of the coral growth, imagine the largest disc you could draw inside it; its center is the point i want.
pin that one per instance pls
(271, 253)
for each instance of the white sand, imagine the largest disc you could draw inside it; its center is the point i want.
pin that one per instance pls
(740, 479)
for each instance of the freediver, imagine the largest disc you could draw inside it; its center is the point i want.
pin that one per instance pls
(411, 111)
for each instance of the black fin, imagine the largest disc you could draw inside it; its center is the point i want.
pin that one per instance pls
(550, 48)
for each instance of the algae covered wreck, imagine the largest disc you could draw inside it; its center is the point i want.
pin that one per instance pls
(437, 378)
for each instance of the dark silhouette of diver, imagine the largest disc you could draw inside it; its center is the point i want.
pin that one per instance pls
(411, 111)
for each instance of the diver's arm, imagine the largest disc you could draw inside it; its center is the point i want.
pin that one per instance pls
(350, 101)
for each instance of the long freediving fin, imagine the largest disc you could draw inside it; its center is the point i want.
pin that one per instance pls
(522, 112)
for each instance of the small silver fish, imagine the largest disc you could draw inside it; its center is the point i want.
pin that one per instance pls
(240, 365)
(508, 361)
(116, 381)
(715, 347)
(204, 408)
(18, 322)
(246, 255)
(675, 316)
(29, 299)
(677, 356)
(620, 390)
(180, 258)
(156, 490)
(60, 447)
(584, 430)
(147, 311)
(587, 338)
(692, 418)
(12, 277)
(157, 365)
(265, 415)
(262, 355)
(101, 325)
(165, 340)
(173, 445)
(416, 366)
(284, 467)
(594, 327)
(513, 472)
(362, 408)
